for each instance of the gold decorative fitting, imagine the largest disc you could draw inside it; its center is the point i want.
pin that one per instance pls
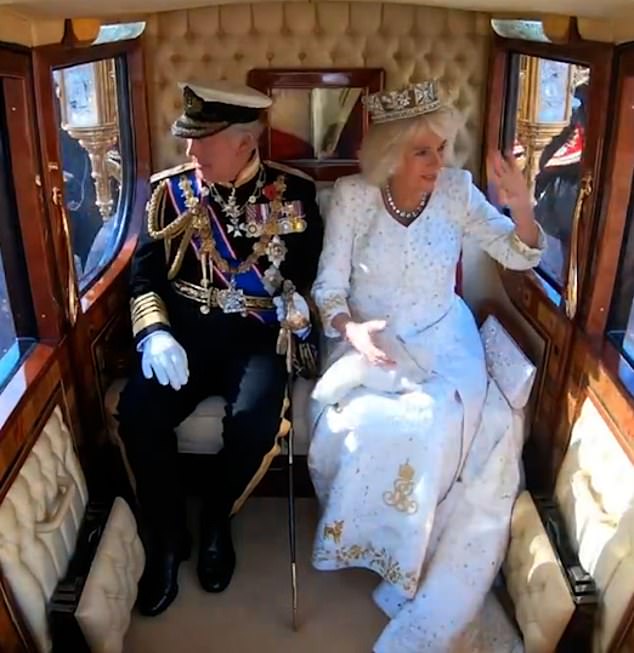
(147, 310)
(193, 104)
(413, 100)
(214, 298)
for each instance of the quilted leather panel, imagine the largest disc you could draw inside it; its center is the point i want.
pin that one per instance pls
(534, 581)
(409, 42)
(595, 490)
(110, 591)
(39, 521)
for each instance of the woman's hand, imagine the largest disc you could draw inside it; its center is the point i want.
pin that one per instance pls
(512, 191)
(508, 180)
(360, 336)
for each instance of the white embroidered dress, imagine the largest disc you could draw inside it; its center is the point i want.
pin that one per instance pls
(389, 447)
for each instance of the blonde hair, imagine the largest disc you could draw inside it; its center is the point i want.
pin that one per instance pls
(385, 143)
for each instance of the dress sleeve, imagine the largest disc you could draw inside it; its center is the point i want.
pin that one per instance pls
(496, 234)
(330, 290)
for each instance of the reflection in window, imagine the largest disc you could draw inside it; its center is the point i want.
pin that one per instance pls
(8, 339)
(527, 30)
(94, 143)
(119, 32)
(319, 123)
(548, 137)
(16, 312)
(621, 323)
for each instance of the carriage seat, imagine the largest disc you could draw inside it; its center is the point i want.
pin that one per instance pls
(594, 494)
(45, 521)
(201, 432)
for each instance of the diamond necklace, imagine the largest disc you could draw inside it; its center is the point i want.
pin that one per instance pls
(404, 215)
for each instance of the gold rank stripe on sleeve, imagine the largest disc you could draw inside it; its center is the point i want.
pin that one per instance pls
(147, 310)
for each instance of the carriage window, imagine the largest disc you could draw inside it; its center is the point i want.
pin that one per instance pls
(95, 144)
(546, 121)
(621, 322)
(16, 309)
(8, 337)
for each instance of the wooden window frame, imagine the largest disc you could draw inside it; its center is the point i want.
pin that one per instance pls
(36, 232)
(598, 57)
(45, 60)
(540, 303)
(612, 230)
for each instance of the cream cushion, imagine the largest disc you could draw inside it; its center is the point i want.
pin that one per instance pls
(201, 432)
(39, 521)
(534, 581)
(106, 603)
(506, 363)
(595, 491)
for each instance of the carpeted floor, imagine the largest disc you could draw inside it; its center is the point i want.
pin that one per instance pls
(336, 613)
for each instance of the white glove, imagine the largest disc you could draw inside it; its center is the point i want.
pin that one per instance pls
(165, 359)
(300, 310)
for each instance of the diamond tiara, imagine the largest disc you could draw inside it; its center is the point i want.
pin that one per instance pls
(413, 100)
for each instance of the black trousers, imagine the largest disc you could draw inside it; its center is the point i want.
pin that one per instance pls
(238, 362)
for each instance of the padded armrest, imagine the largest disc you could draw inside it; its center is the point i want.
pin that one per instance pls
(91, 607)
(582, 587)
(554, 598)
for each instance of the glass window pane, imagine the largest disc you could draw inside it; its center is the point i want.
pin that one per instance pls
(547, 131)
(96, 152)
(621, 322)
(7, 328)
(17, 322)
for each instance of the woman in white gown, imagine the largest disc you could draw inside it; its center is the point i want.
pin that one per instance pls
(403, 394)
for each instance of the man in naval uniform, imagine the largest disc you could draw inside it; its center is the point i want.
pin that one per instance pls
(222, 235)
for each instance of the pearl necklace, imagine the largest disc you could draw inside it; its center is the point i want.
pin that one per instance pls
(399, 213)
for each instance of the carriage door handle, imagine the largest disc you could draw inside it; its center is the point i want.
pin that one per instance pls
(57, 197)
(572, 282)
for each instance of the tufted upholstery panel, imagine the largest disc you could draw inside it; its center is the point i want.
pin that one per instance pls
(110, 591)
(534, 581)
(595, 490)
(39, 521)
(409, 42)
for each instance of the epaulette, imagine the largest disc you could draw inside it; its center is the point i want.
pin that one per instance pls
(288, 170)
(170, 172)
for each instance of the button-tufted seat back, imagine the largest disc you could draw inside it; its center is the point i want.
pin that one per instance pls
(595, 491)
(39, 521)
(595, 495)
(409, 42)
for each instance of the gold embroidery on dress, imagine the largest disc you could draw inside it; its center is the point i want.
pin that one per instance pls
(332, 305)
(334, 531)
(403, 488)
(379, 561)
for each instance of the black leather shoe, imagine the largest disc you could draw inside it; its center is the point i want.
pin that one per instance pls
(216, 558)
(158, 586)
